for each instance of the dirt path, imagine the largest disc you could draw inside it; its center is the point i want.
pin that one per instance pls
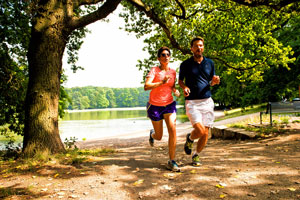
(252, 169)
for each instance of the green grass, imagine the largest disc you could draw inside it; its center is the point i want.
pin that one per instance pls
(278, 123)
(240, 112)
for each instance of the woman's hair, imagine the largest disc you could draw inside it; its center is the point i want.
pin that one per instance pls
(161, 49)
(196, 39)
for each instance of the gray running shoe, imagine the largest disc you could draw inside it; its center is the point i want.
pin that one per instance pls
(196, 160)
(151, 140)
(188, 146)
(172, 165)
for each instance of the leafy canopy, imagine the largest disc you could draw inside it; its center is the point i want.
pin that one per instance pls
(239, 38)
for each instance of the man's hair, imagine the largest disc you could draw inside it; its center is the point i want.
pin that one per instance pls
(196, 39)
(161, 49)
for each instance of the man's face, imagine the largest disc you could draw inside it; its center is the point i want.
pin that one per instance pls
(198, 48)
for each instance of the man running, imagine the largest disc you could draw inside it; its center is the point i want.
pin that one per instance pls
(196, 75)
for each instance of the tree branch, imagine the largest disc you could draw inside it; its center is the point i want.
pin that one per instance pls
(153, 16)
(108, 7)
(183, 15)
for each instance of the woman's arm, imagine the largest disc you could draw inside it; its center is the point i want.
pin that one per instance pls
(149, 85)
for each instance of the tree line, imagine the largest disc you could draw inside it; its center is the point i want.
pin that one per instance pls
(91, 97)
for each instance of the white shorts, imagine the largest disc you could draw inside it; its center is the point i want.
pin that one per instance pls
(200, 111)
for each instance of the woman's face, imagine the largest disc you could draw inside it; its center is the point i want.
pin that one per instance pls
(164, 57)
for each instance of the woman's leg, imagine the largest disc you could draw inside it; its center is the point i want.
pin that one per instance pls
(170, 120)
(158, 129)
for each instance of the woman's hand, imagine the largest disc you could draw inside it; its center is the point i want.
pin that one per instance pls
(166, 79)
(177, 93)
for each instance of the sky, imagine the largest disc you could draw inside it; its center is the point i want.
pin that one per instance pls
(109, 57)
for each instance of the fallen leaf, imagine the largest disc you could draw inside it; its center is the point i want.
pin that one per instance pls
(222, 196)
(219, 186)
(56, 175)
(138, 182)
(169, 175)
(223, 184)
(292, 189)
(193, 171)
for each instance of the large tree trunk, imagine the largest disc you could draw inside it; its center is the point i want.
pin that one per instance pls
(52, 23)
(45, 67)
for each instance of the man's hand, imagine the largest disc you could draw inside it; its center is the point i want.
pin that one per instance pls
(215, 80)
(186, 91)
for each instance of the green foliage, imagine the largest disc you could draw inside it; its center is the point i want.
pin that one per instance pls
(250, 45)
(91, 97)
(15, 34)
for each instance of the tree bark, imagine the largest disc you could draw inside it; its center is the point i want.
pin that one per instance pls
(45, 67)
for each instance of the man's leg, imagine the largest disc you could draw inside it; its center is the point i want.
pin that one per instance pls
(200, 132)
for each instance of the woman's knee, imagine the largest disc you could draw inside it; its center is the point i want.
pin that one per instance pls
(157, 136)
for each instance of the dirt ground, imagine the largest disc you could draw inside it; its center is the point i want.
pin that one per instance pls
(251, 169)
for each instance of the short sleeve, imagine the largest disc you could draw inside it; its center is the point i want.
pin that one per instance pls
(151, 74)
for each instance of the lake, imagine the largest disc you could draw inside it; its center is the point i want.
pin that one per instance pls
(106, 123)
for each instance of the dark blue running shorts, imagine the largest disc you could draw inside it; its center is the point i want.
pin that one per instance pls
(156, 113)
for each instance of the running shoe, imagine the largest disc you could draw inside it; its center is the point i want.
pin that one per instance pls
(196, 160)
(188, 146)
(172, 165)
(151, 140)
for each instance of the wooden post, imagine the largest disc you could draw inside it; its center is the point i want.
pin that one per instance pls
(271, 114)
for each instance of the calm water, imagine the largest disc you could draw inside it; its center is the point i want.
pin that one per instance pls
(106, 123)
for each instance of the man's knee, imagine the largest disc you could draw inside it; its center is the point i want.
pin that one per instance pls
(200, 130)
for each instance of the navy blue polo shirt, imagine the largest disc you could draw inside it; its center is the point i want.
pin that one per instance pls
(197, 77)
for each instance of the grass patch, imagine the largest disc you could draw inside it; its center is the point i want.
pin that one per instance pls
(10, 167)
(253, 124)
(242, 111)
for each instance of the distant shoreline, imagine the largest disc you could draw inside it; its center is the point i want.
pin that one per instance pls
(112, 109)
